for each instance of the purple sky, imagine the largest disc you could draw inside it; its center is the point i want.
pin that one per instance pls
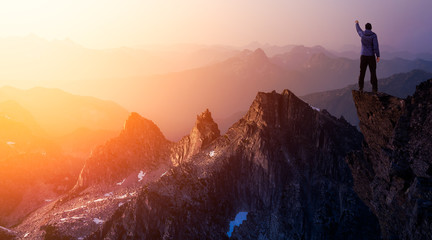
(402, 24)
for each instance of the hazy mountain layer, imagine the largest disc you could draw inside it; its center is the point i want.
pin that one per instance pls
(229, 86)
(190, 77)
(59, 113)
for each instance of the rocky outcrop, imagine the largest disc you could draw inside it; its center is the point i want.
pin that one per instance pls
(393, 172)
(339, 102)
(140, 145)
(202, 134)
(283, 163)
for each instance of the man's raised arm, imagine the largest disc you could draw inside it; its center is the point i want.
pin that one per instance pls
(359, 30)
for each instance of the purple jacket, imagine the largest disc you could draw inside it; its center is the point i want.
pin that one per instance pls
(369, 42)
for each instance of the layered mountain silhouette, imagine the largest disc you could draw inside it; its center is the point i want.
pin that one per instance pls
(127, 75)
(303, 70)
(60, 113)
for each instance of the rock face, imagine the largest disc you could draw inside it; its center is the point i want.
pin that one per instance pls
(203, 133)
(283, 163)
(140, 145)
(393, 172)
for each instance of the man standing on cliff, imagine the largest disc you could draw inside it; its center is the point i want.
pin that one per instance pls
(369, 50)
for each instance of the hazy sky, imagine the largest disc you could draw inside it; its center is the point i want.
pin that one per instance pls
(405, 24)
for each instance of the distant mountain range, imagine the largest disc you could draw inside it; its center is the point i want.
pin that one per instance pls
(228, 86)
(158, 83)
(48, 62)
(59, 113)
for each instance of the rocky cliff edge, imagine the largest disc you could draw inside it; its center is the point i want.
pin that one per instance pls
(392, 174)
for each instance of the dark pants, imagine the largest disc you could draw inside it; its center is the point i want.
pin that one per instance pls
(371, 62)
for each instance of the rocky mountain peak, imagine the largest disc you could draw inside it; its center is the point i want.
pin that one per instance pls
(393, 172)
(257, 56)
(205, 128)
(204, 117)
(202, 134)
(140, 146)
(137, 126)
(274, 109)
(260, 54)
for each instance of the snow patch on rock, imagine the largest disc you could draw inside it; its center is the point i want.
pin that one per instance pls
(141, 175)
(315, 108)
(212, 154)
(98, 221)
(120, 183)
(7, 230)
(122, 196)
(73, 209)
(100, 200)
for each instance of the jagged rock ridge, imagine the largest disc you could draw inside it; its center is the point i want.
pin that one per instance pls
(283, 162)
(203, 133)
(393, 172)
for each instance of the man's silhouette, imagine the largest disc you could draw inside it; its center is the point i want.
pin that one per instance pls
(370, 49)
